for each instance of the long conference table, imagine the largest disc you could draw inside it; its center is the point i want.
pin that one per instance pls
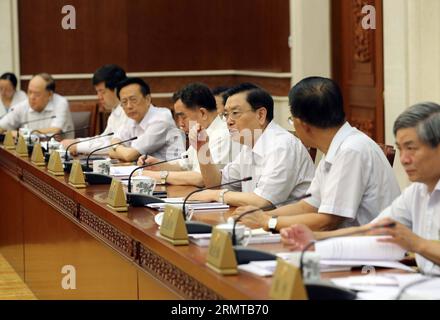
(47, 227)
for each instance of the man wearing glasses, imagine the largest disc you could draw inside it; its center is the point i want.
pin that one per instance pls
(195, 104)
(278, 163)
(155, 129)
(353, 182)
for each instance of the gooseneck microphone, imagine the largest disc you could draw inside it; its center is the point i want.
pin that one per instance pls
(36, 120)
(245, 255)
(85, 140)
(140, 200)
(197, 226)
(98, 178)
(63, 133)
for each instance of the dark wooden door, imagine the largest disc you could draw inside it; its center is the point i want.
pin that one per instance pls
(357, 64)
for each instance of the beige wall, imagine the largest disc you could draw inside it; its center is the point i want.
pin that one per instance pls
(411, 60)
(8, 40)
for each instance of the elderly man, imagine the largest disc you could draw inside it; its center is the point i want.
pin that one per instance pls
(278, 163)
(105, 81)
(155, 129)
(416, 212)
(194, 104)
(43, 111)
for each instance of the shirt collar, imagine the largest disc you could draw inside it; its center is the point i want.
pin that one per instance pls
(147, 118)
(264, 139)
(47, 108)
(340, 136)
(216, 124)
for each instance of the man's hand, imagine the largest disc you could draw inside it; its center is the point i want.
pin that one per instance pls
(399, 234)
(198, 137)
(296, 237)
(142, 160)
(254, 220)
(67, 142)
(206, 196)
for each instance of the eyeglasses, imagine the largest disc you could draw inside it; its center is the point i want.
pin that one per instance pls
(290, 120)
(133, 100)
(234, 115)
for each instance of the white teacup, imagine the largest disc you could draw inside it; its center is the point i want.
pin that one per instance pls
(25, 132)
(311, 269)
(102, 166)
(143, 185)
(241, 235)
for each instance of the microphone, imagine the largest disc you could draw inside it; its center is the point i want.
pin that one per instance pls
(197, 226)
(62, 133)
(30, 135)
(98, 178)
(85, 140)
(245, 255)
(140, 200)
(36, 120)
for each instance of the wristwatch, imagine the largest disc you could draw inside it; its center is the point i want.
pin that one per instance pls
(164, 176)
(221, 197)
(272, 224)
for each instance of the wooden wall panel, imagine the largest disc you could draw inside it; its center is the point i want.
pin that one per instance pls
(155, 35)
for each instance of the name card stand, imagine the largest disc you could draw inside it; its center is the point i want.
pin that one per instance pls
(37, 157)
(173, 228)
(221, 256)
(22, 149)
(55, 166)
(287, 282)
(116, 198)
(76, 177)
(9, 142)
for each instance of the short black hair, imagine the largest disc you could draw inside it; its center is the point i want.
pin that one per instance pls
(110, 74)
(11, 77)
(220, 91)
(317, 101)
(145, 89)
(196, 95)
(256, 97)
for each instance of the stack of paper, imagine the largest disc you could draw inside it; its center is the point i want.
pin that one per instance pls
(122, 172)
(190, 205)
(259, 236)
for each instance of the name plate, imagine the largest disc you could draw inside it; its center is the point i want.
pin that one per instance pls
(55, 165)
(21, 148)
(9, 142)
(37, 157)
(76, 177)
(173, 228)
(116, 198)
(221, 256)
(287, 283)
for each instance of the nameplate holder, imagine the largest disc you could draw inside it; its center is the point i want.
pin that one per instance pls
(116, 198)
(55, 166)
(37, 157)
(287, 282)
(9, 142)
(173, 228)
(21, 148)
(221, 256)
(76, 177)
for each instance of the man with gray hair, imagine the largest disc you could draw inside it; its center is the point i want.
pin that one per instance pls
(416, 212)
(43, 110)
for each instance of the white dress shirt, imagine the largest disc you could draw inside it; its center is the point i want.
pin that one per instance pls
(419, 210)
(279, 164)
(220, 146)
(18, 97)
(157, 134)
(57, 106)
(116, 121)
(354, 179)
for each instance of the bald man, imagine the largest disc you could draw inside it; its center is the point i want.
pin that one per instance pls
(41, 104)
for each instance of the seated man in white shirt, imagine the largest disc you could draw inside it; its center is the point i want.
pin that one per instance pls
(44, 110)
(354, 180)
(194, 104)
(416, 212)
(105, 80)
(9, 95)
(277, 161)
(155, 129)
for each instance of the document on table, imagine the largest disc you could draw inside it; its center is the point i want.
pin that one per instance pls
(195, 205)
(259, 236)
